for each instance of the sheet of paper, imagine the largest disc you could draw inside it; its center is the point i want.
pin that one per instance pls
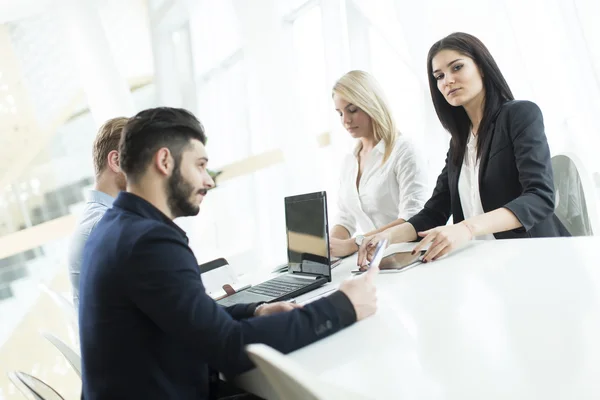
(215, 279)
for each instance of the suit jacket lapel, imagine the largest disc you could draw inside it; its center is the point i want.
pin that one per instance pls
(483, 161)
(453, 175)
(485, 151)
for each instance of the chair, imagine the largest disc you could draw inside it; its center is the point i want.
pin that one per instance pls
(32, 387)
(72, 357)
(575, 200)
(290, 381)
(68, 309)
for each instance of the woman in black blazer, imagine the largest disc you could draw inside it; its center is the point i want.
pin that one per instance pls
(497, 182)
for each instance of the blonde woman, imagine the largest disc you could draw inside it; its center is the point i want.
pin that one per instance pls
(383, 182)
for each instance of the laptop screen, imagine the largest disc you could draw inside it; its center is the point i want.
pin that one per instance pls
(308, 234)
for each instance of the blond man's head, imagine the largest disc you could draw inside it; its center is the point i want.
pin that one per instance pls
(106, 148)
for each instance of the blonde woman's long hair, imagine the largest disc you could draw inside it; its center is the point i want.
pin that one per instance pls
(362, 89)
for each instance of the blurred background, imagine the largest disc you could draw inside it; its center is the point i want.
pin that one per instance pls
(258, 74)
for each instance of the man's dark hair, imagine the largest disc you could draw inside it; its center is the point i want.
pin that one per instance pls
(153, 129)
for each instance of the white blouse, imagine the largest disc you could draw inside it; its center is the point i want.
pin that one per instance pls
(468, 184)
(397, 189)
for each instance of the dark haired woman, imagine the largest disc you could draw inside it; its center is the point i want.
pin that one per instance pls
(497, 182)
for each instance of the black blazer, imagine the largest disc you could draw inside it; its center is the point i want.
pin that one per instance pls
(515, 172)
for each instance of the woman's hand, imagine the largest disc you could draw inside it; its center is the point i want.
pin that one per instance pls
(342, 247)
(367, 248)
(443, 239)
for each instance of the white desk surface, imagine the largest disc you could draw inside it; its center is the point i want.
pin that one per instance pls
(506, 319)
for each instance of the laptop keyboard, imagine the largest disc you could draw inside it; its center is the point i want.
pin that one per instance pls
(276, 287)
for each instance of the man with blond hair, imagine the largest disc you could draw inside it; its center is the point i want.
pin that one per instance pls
(110, 180)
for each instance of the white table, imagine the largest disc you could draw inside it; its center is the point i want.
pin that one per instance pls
(507, 319)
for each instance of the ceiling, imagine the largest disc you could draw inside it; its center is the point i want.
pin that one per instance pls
(13, 10)
(40, 86)
(16, 126)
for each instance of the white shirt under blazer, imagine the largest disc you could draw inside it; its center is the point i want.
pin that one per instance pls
(396, 189)
(468, 184)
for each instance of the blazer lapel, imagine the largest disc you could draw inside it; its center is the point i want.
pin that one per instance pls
(453, 175)
(485, 151)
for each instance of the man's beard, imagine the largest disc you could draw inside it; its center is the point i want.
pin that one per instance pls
(179, 193)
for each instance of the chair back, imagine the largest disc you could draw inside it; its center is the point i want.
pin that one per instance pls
(72, 356)
(575, 203)
(32, 387)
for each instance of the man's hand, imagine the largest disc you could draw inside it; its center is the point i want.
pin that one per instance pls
(362, 293)
(342, 247)
(275, 308)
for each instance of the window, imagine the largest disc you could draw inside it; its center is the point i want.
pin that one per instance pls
(313, 101)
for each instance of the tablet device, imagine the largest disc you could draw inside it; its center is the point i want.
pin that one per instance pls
(396, 261)
(400, 260)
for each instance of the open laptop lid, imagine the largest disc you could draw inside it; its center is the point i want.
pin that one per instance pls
(307, 232)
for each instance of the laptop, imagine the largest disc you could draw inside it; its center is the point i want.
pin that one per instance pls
(309, 262)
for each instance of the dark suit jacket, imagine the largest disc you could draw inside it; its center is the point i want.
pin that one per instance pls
(515, 172)
(148, 330)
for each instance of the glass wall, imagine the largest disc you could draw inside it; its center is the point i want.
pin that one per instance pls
(258, 74)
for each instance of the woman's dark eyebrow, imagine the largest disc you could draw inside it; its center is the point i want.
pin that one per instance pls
(449, 64)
